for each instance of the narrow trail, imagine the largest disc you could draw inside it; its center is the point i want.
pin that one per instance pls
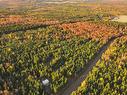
(75, 82)
(30, 28)
(19, 30)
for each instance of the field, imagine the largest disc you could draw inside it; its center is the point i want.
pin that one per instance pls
(110, 73)
(67, 44)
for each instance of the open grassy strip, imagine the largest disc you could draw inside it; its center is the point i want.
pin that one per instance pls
(110, 73)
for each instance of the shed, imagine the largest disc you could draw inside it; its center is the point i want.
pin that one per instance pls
(45, 82)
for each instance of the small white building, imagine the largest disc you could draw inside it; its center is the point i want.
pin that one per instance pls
(45, 82)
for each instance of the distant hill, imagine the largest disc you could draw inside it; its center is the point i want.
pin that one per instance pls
(17, 1)
(6, 2)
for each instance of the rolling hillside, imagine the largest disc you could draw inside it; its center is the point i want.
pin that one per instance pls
(53, 1)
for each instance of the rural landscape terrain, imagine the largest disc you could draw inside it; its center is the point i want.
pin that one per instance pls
(63, 47)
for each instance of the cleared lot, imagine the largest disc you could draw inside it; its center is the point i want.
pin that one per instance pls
(122, 18)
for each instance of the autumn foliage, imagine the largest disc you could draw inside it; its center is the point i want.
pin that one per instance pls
(24, 20)
(90, 30)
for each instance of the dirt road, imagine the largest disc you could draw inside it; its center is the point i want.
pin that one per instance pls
(75, 82)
